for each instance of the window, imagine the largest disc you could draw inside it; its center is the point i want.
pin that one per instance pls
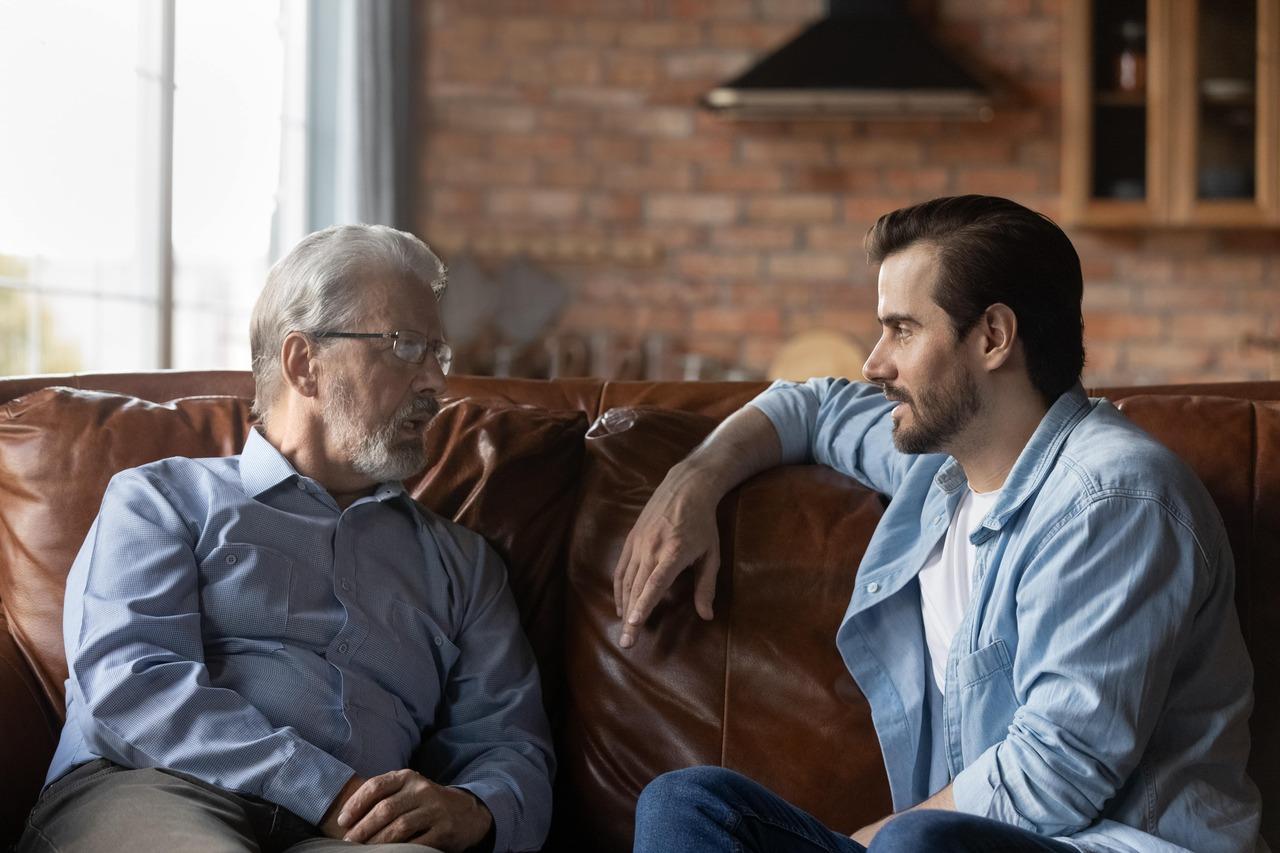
(100, 184)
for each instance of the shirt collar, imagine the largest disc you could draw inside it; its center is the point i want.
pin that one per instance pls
(1034, 462)
(263, 467)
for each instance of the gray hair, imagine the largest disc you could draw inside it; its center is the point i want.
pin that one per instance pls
(317, 286)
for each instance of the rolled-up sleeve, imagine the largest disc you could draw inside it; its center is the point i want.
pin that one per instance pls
(1104, 614)
(491, 735)
(837, 423)
(135, 654)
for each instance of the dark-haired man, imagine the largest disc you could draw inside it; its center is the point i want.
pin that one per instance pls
(1043, 622)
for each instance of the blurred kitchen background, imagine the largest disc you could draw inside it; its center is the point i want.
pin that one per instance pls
(657, 189)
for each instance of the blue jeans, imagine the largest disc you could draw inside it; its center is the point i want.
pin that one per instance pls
(714, 810)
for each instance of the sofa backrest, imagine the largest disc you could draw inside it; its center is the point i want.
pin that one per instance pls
(760, 689)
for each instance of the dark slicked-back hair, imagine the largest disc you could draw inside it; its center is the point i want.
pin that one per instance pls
(992, 250)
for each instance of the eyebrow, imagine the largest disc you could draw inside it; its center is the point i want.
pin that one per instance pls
(898, 320)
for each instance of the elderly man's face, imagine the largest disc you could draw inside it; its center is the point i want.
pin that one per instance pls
(376, 406)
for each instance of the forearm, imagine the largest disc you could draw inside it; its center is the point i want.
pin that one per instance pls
(942, 800)
(745, 444)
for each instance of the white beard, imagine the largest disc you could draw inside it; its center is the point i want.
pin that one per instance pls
(381, 454)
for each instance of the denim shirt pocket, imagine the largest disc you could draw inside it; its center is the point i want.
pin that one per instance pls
(985, 678)
(244, 593)
(422, 642)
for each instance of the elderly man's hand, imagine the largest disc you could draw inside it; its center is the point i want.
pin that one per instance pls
(404, 805)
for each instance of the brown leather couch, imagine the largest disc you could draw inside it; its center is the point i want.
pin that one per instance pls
(553, 474)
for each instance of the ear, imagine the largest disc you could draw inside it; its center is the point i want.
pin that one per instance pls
(299, 363)
(997, 333)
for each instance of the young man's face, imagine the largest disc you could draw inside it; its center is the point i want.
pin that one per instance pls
(918, 360)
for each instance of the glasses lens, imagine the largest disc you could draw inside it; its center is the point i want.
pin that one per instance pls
(444, 356)
(410, 346)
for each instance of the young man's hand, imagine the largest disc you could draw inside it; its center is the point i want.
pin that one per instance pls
(404, 805)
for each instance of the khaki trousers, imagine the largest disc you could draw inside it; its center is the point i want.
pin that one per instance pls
(101, 807)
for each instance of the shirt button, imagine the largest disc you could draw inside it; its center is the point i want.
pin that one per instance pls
(342, 648)
(873, 588)
(346, 585)
(302, 487)
(231, 559)
(439, 641)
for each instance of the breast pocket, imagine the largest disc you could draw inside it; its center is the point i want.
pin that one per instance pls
(426, 656)
(244, 593)
(987, 697)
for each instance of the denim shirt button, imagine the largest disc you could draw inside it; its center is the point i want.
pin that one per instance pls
(342, 648)
(439, 641)
(873, 588)
(231, 559)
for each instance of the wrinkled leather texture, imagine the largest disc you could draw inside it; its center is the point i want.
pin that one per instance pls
(760, 688)
(58, 449)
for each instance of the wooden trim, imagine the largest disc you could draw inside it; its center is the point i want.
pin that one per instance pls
(1077, 112)
(1268, 151)
(1183, 102)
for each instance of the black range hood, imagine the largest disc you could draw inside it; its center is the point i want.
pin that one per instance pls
(866, 58)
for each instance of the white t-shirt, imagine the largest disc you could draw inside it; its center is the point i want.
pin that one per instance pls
(946, 580)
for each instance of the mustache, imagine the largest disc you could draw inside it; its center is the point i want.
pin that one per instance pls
(416, 407)
(896, 394)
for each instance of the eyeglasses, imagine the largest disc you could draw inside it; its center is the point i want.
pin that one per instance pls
(407, 346)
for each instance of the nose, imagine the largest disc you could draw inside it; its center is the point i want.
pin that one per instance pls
(878, 368)
(429, 378)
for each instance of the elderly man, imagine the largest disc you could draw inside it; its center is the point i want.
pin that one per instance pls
(258, 644)
(1043, 623)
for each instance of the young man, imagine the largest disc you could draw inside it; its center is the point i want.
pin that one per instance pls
(1043, 622)
(258, 644)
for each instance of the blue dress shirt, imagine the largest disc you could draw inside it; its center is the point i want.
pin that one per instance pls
(224, 618)
(1098, 689)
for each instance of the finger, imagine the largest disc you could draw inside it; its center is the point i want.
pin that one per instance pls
(704, 583)
(383, 818)
(644, 568)
(619, 573)
(405, 826)
(373, 791)
(650, 592)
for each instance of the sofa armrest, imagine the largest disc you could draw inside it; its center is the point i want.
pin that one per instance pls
(30, 733)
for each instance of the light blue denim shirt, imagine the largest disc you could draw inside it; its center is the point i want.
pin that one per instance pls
(225, 619)
(1098, 689)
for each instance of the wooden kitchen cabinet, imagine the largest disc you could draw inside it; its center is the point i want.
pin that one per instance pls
(1171, 113)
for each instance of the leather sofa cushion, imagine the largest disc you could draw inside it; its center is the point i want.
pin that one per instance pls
(59, 447)
(750, 690)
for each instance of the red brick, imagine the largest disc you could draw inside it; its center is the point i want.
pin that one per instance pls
(483, 172)
(1219, 271)
(699, 149)
(713, 9)
(736, 320)
(1121, 326)
(656, 121)
(627, 176)
(837, 238)
(755, 237)
(504, 118)
(867, 209)
(925, 180)
(709, 265)
(634, 69)
(614, 207)
(879, 152)
(661, 34)
(1010, 181)
(613, 100)
(792, 208)
(566, 120)
(786, 151)
(518, 32)
(1167, 356)
(705, 65)
(579, 173)
(545, 146)
(738, 179)
(753, 35)
(1225, 327)
(536, 204)
(709, 209)
(612, 150)
(447, 201)
(795, 10)
(823, 179)
(1168, 297)
(983, 151)
(810, 265)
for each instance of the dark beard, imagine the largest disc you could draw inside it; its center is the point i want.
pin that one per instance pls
(940, 418)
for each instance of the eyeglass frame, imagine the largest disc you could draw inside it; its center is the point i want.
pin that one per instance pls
(439, 349)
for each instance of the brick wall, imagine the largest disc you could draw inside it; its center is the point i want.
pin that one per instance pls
(568, 130)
